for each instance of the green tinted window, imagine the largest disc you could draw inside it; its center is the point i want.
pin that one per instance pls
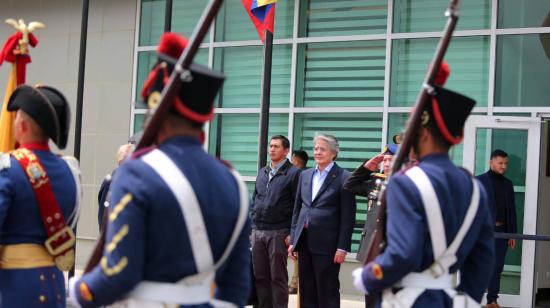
(185, 16)
(523, 13)
(343, 17)
(234, 24)
(234, 137)
(151, 22)
(523, 70)
(429, 15)
(468, 58)
(138, 122)
(341, 74)
(359, 136)
(242, 67)
(396, 125)
(146, 61)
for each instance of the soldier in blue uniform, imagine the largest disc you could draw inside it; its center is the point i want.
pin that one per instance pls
(39, 192)
(438, 221)
(178, 219)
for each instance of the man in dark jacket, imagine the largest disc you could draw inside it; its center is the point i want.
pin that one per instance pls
(502, 204)
(273, 202)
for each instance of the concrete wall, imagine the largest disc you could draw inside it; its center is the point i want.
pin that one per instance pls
(108, 82)
(543, 227)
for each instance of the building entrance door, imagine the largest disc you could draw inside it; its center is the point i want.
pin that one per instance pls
(520, 138)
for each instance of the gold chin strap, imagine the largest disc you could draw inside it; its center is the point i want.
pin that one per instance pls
(425, 118)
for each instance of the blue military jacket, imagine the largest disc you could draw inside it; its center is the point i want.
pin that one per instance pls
(146, 234)
(409, 247)
(20, 223)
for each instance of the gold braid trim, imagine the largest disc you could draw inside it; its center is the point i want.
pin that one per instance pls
(117, 238)
(110, 271)
(120, 207)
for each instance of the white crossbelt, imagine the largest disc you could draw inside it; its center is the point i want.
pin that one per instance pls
(195, 289)
(437, 276)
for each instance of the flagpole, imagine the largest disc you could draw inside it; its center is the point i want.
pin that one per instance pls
(168, 16)
(266, 91)
(80, 89)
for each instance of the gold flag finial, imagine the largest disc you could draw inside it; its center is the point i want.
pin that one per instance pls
(20, 26)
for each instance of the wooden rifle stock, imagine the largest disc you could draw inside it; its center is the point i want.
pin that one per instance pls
(378, 238)
(158, 114)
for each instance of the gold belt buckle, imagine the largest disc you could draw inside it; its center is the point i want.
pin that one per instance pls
(63, 261)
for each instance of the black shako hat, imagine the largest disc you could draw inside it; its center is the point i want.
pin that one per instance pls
(448, 110)
(195, 99)
(47, 107)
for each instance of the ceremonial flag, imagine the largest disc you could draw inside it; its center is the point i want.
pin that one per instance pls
(7, 138)
(262, 13)
(16, 51)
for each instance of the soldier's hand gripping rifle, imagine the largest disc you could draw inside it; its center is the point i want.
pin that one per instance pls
(180, 74)
(378, 238)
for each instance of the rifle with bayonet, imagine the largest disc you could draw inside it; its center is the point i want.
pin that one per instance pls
(378, 238)
(180, 74)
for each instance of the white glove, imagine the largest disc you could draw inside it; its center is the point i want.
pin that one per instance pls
(358, 280)
(73, 299)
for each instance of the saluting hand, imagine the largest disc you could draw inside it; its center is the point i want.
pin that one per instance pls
(373, 163)
(339, 256)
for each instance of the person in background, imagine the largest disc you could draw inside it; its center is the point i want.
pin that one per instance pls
(322, 224)
(123, 152)
(272, 205)
(502, 204)
(366, 182)
(299, 159)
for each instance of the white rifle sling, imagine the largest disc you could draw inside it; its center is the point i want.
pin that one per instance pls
(437, 276)
(194, 289)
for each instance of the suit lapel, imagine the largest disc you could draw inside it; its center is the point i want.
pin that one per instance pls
(306, 185)
(333, 173)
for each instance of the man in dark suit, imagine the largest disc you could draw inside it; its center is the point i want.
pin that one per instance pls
(502, 204)
(322, 224)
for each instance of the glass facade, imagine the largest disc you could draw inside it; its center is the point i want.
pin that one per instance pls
(353, 68)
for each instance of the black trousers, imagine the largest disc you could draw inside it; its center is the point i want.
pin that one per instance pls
(501, 245)
(319, 283)
(269, 256)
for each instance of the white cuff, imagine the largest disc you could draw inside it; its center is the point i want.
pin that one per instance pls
(358, 280)
(73, 299)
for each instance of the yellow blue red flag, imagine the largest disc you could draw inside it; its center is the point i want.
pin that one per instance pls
(262, 13)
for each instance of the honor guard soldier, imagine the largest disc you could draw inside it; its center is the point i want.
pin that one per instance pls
(39, 196)
(178, 219)
(438, 222)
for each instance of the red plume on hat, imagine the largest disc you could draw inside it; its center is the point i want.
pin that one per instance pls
(195, 98)
(172, 45)
(449, 109)
(442, 74)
